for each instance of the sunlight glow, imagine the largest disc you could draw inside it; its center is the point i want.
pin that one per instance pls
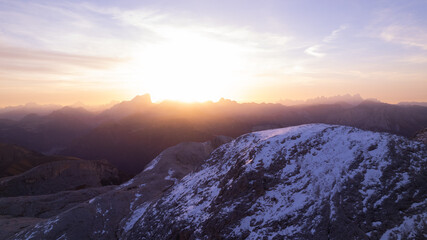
(186, 66)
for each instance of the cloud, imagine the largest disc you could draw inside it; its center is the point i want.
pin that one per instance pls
(400, 27)
(334, 34)
(411, 36)
(415, 59)
(161, 25)
(63, 27)
(16, 54)
(316, 51)
(260, 53)
(24, 63)
(96, 30)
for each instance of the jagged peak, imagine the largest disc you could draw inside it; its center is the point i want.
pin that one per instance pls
(142, 99)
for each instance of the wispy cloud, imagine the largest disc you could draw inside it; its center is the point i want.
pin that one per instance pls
(334, 34)
(394, 26)
(411, 36)
(316, 50)
(161, 24)
(260, 52)
(23, 67)
(15, 54)
(414, 59)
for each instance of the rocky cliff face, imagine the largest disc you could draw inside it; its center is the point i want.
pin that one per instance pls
(308, 182)
(421, 136)
(59, 176)
(49, 188)
(19, 213)
(16, 160)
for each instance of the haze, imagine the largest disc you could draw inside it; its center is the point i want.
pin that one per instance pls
(62, 52)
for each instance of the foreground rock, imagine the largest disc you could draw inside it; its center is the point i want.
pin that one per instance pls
(18, 213)
(53, 186)
(307, 182)
(59, 176)
(10, 225)
(421, 136)
(46, 206)
(114, 213)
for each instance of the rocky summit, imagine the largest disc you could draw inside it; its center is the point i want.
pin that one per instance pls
(313, 181)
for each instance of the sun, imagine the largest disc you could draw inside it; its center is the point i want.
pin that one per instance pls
(188, 67)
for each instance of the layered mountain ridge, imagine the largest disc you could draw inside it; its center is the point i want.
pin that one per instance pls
(117, 133)
(312, 181)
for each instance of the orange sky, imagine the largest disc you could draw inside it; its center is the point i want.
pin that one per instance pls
(98, 51)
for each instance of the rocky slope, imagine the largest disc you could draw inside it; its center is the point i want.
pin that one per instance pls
(18, 213)
(59, 176)
(308, 182)
(421, 136)
(55, 185)
(16, 160)
(115, 209)
(48, 205)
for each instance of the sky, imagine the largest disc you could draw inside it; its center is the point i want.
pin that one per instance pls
(250, 51)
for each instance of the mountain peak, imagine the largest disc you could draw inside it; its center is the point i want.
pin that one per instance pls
(69, 110)
(142, 99)
(120, 110)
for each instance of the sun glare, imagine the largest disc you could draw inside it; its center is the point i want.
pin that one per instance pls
(187, 67)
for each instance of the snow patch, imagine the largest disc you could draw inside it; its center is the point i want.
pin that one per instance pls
(153, 163)
(170, 176)
(137, 214)
(137, 196)
(406, 228)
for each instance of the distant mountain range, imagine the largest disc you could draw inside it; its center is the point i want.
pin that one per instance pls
(18, 112)
(48, 133)
(131, 133)
(347, 99)
(424, 104)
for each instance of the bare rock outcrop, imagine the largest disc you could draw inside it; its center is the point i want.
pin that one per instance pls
(421, 136)
(59, 176)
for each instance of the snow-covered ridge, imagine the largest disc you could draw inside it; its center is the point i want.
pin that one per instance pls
(311, 181)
